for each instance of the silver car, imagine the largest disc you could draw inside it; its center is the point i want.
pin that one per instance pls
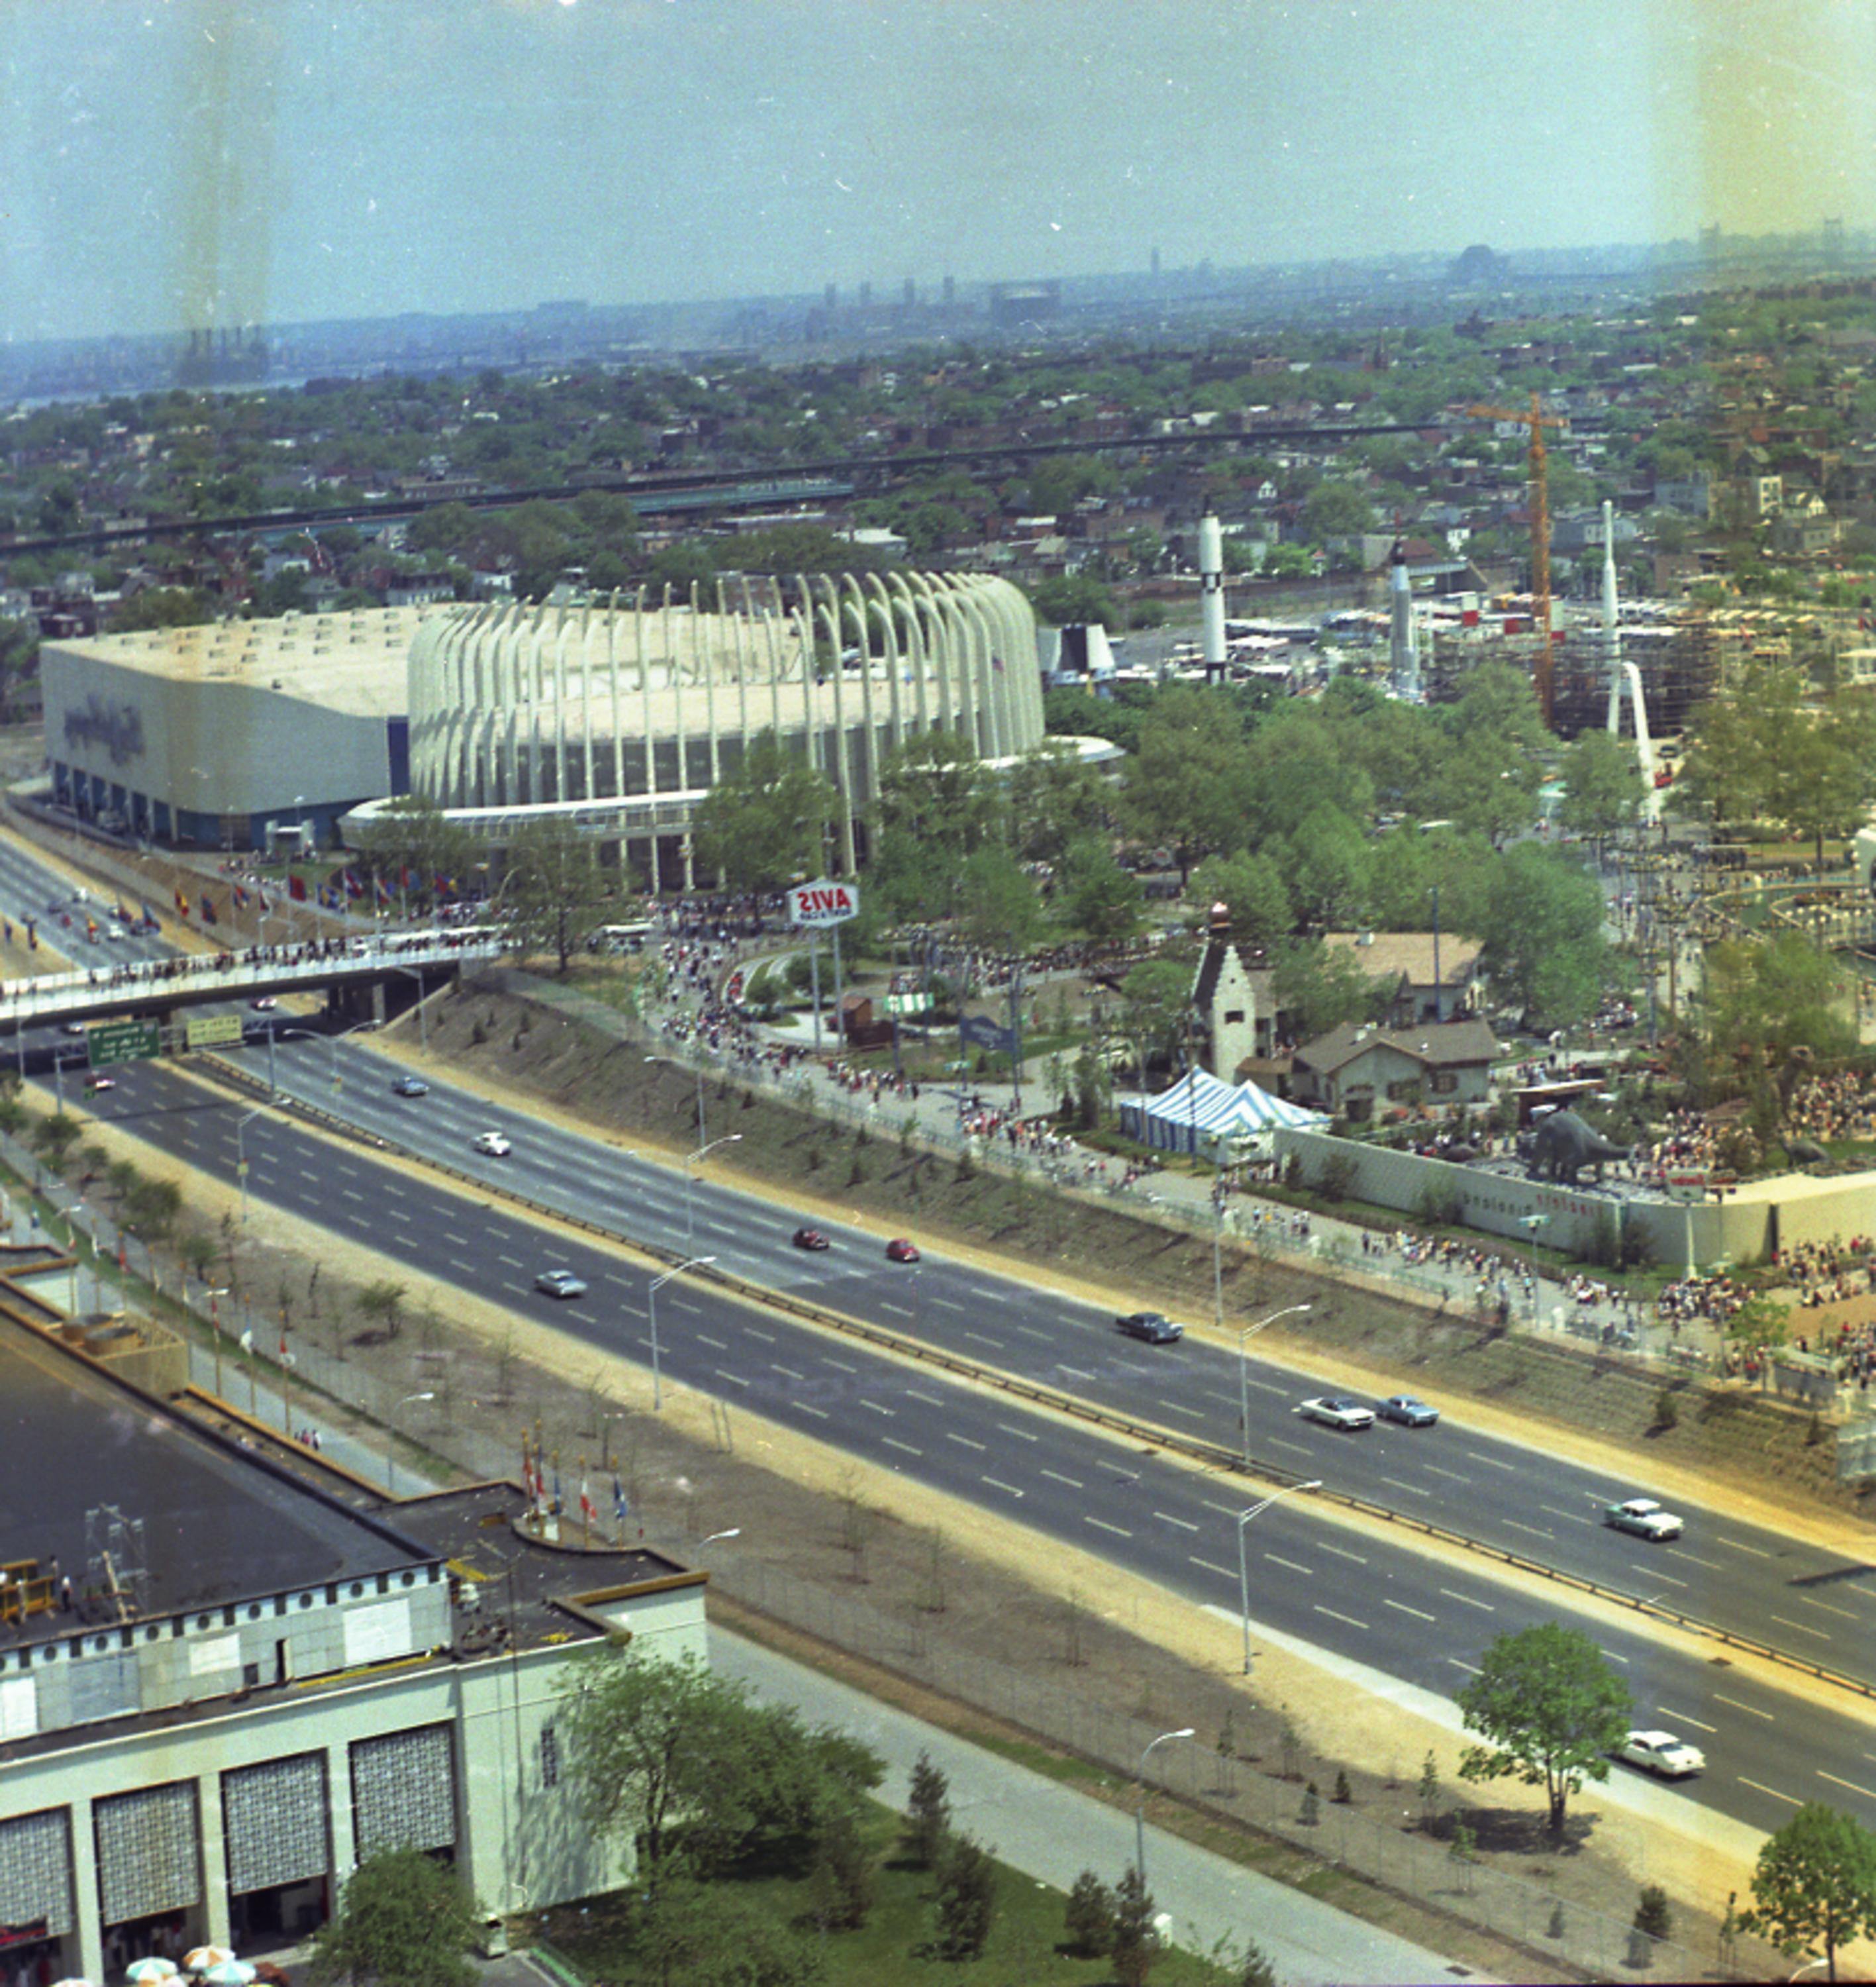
(1644, 1517)
(1335, 1411)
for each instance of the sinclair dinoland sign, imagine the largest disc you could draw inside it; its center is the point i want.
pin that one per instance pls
(823, 903)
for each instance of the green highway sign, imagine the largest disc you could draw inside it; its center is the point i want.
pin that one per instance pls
(110, 1042)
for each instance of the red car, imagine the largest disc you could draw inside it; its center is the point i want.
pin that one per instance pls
(809, 1238)
(900, 1251)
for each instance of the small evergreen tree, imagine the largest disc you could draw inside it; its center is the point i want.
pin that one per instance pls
(1653, 1915)
(1429, 1790)
(842, 1882)
(1254, 1969)
(1089, 1921)
(966, 1901)
(1343, 1793)
(927, 1813)
(1135, 1943)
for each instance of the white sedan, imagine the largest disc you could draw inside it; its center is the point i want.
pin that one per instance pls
(1334, 1410)
(1644, 1517)
(495, 1144)
(1661, 1753)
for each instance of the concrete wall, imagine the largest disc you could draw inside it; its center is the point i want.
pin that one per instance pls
(1743, 1226)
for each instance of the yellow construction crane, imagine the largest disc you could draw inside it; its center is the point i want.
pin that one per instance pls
(1538, 420)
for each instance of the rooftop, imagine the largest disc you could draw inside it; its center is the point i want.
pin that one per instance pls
(356, 663)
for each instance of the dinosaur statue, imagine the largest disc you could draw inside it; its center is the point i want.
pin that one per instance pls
(1558, 1145)
(1806, 1152)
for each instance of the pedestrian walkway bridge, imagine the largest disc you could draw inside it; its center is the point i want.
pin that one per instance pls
(128, 988)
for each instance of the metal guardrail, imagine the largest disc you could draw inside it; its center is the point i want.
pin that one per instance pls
(1191, 1448)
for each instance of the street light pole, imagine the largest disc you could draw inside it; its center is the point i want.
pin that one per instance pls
(1244, 1571)
(690, 1179)
(1244, 1380)
(1139, 1810)
(651, 1299)
(215, 1333)
(390, 1435)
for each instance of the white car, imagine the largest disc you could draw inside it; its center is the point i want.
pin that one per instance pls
(560, 1283)
(1661, 1753)
(1644, 1517)
(1334, 1410)
(495, 1144)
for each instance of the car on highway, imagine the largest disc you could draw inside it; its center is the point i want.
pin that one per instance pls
(810, 1238)
(1408, 1410)
(1662, 1753)
(1152, 1326)
(73, 1028)
(496, 1145)
(94, 1083)
(900, 1251)
(264, 1004)
(1644, 1517)
(410, 1086)
(560, 1283)
(1335, 1411)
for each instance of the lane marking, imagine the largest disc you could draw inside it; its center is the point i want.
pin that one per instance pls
(1004, 1427)
(893, 1441)
(1101, 1524)
(1335, 1617)
(1490, 1462)
(346, 1193)
(893, 1310)
(1532, 1530)
(1037, 1331)
(1711, 1565)
(1411, 1489)
(1471, 1669)
(820, 1414)
(1784, 1621)
(1359, 1558)
(787, 1372)
(767, 1337)
(1842, 1614)
(1685, 1718)
(1851, 1785)
(1574, 1517)
(512, 1262)
(1074, 1372)
(877, 1408)
(1453, 1475)
(1307, 1572)
(1184, 1524)
(1262, 1386)
(945, 1303)
(1614, 1659)
(1484, 1607)
(929, 1400)
(1770, 1718)
(715, 1344)
(1224, 1572)
(1294, 1448)
(828, 1359)
(965, 1441)
(1758, 1787)
(1739, 1545)
(983, 1338)
(1056, 1476)
(735, 1379)
(1173, 1407)
(996, 1483)
(1419, 1613)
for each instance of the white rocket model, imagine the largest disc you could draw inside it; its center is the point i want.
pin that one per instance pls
(1211, 595)
(1612, 622)
(1621, 673)
(1403, 660)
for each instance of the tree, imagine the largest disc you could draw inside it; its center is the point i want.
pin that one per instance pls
(1068, 602)
(928, 1812)
(842, 1880)
(1551, 1709)
(1097, 897)
(1088, 1922)
(1544, 950)
(382, 1302)
(1602, 785)
(761, 826)
(1056, 799)
(1251, 887)
(1814, 1886)
(1254, 1968)
(1136, 1943)
(1334, 509)
(1188, 784)
(56, 1136)
(690, 1935)
(1157, 1005)
(403, 1920)
(999, 907)
(966, 1899)
(552, 888)
(412, 835)
(687, 1766)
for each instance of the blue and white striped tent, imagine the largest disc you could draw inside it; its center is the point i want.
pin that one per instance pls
(1199, 1111)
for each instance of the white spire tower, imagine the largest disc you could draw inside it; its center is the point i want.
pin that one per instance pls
(1211, 595)
(1403, 660)
(1612, 622)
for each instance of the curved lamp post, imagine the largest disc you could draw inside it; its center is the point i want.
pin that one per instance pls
(1244, 1570)
(690, 1179)
(651, 1299)
(1139, 1810)
(390, 1435)
(1243, 1381)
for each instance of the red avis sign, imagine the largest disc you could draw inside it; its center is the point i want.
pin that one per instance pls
(823, 903)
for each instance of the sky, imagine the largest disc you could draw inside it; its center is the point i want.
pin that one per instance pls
(171, 164)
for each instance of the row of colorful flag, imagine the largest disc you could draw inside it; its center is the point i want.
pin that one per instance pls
(342, 887)
(543, 1490)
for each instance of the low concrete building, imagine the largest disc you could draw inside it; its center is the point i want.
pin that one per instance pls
(1432, 977)
(227, 1675)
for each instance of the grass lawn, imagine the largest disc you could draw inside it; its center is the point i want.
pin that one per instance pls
(893, 1947)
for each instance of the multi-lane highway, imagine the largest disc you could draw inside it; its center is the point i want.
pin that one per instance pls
(1401, 1611)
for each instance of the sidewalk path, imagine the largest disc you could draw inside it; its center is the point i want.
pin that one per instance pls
(1051, 1832)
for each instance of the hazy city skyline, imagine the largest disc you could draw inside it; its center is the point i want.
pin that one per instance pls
(173, 164)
